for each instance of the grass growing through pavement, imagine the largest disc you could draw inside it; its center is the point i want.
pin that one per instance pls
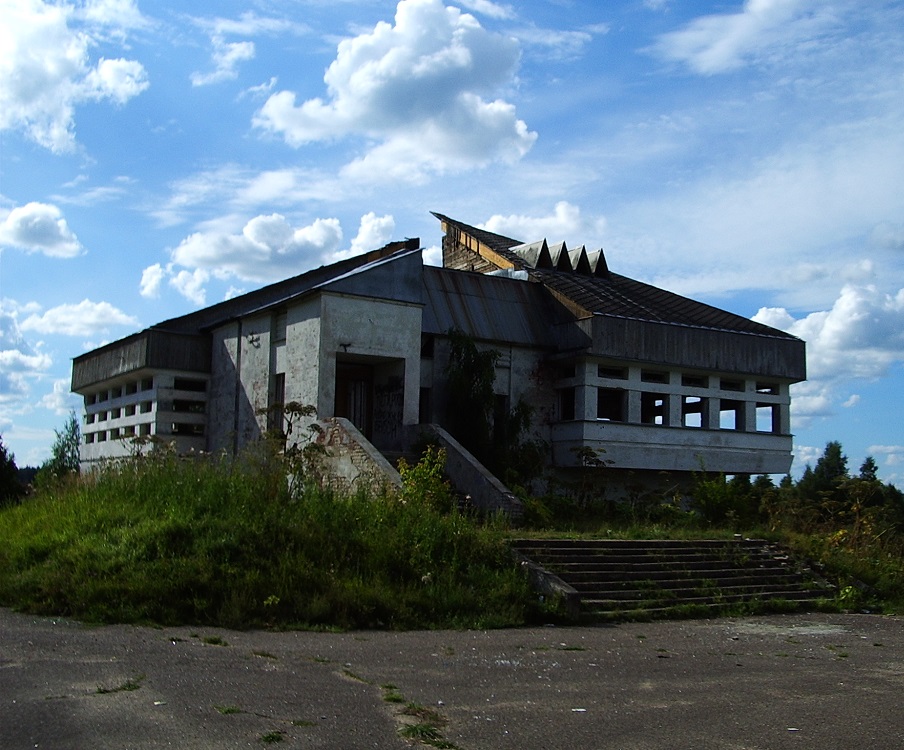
(212, 542)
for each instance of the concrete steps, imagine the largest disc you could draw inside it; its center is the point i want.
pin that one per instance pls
(610, 578)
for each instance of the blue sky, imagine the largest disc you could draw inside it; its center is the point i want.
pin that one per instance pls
(155, 159)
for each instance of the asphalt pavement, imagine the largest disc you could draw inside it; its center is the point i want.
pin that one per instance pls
(808, 681)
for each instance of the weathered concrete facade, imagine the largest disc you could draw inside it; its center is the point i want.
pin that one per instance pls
(647, 380)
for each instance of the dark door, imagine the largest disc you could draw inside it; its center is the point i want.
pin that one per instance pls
(354, 395)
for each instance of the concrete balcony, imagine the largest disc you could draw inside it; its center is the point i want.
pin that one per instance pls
(657, 448)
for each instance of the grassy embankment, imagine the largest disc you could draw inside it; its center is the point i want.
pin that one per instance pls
(207, 541)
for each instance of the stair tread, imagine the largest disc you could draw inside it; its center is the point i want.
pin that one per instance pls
(651, 575)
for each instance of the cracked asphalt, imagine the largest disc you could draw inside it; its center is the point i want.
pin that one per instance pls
(793, 681)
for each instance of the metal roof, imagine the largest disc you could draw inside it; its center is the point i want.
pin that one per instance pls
(607, 293)
(490, 308)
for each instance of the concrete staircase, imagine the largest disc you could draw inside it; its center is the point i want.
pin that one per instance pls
(613, 579)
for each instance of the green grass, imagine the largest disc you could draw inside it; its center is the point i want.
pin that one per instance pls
(218, 543)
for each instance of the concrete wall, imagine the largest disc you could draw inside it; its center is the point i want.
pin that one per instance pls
(381, 333)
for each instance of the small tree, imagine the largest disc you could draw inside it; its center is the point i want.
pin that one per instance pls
(10, 487)
(64, 458)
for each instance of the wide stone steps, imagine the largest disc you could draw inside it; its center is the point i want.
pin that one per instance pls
(609, 577)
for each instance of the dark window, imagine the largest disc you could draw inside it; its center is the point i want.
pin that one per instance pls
(692, 411)
(614, 373)
(276, 413)
(731, 385)
(427, 345)
(188, 407)
(653, 408)
(180, 428)
(566, 404)
(190, 384)
(694, 381)
(610, 404)
(654, 376)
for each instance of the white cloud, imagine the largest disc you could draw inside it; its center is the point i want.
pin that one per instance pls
(151, 279)
(565, 223)
(268, 248)
(490, 9)
(60, 400)
(190, 284)
(860, 337)
(889, 236)
(764, 28)
(852, 401)
(20, 363)
(417, 90)
(39, 227)
(119, 80)
(373, 232)
(83, 319)
(555, 44)
(226, 57)
(893, 454)
(45, 70)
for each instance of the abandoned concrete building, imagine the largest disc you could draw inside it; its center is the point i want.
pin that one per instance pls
(650, 380)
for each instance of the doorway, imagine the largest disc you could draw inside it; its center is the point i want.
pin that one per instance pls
(354, 395)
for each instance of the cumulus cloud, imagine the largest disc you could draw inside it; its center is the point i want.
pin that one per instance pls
(59, 400)
(763, 28)
(83, 319)
(20, 363)
(566, 222)
(373, 232)
(151, 279)
(46, 71)
(190, 284)
(268, 248)
(860, 337)
(39, 228)
(417, 90)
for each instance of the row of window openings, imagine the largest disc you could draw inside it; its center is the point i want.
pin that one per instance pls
(146, 384)
(180, 406)
(611, 406)
(142, 430)
(663, 377)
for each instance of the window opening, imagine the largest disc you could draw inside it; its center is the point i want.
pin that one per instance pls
(611, 404)
(653, 408)
(566, 404)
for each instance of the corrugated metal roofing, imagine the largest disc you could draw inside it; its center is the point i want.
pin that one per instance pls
(489, 308)
(612, 294)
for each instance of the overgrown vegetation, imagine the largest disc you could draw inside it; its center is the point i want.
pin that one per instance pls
(851, 525)
(210, 541)
(485, 425)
